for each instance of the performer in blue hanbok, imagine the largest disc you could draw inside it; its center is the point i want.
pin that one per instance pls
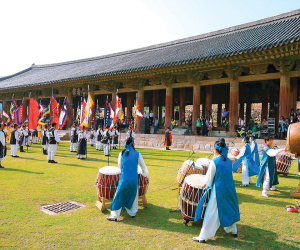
(126, 196)
(268, 170)
(222, 208)
(250, 167)
(225, 148)
(254, 150)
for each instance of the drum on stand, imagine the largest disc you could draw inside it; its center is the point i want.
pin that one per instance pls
(293, 138)
(190, 195)
(143, 183)
(283, 164)
(204, 162)
(107, 182)
(187, 168)
(234, 152)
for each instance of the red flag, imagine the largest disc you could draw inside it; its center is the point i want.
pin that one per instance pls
(55, 110)
(33, 114)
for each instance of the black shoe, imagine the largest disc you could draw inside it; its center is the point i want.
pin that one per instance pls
(107, 155)
(234, 235)
(49, 161)
(1, 166)
(22, 151)
(16, 156)
(81, 158)
(111, 219)
(53, 161)
(132, 216)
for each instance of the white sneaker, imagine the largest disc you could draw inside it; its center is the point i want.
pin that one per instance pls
(265, 195)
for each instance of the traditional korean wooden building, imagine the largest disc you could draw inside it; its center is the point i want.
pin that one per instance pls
(257, 62)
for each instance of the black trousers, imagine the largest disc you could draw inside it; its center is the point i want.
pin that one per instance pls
(198, 130)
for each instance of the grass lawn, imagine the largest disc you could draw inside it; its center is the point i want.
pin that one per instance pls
(29, 182)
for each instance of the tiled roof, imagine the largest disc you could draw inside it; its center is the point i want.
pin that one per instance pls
(247, 38)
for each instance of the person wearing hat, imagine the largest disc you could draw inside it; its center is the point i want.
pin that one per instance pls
(127, 193)
(5, 130)
(93, 135)
(106, 140)
(82, 143)
(130, 133)
(115, 137)
(74, 138)
(223, 207)
(54, 140)
(254, 150)
(268, 170)
(2, 144)
(14, 141)
(168, 138)
(23, 134)
(45, 139)
(99, 138)
(250, 167)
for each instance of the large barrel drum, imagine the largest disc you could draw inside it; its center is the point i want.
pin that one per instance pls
(293, 139)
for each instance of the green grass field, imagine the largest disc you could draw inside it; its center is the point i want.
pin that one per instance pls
(29, 182)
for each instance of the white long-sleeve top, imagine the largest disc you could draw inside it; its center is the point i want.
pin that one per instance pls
(55, 136)
(141, 163)
(128, 134)
(275, 152)
(252, 146)
(242, 152)
(210, 175)
(2, 138)
(83, 135)
(115, 132)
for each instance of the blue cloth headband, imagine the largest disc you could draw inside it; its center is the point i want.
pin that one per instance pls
(246, 140)
(217, 147)
(252, 138)
(128, 147)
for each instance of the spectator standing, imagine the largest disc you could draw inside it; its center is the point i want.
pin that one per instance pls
(155, 125)
(198, 125)
(189, 125)
(204, 127)
(151, 116)
(163, 117)
(182, 117)
(145, 114)
(177, 117)
(210, 126)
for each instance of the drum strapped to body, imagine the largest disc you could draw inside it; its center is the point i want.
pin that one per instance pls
(190, 195)
(283, 164)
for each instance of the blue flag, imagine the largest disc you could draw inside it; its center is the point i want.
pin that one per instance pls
(107, 115)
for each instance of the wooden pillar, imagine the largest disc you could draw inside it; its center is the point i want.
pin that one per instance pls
(265, 101)
(284, 98)
(234, 104)
(242, 102)
(113, 98)
(182, 104)
(208, 101)
(160, 115)
(70, 109)
(248, 112)
(129, 104)
(141, 103)
(219, 113)
(293, 93)
(155, 103)
(196, 107)
(169, 104)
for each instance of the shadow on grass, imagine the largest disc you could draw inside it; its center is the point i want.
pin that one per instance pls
(77, 165)
(20, 170)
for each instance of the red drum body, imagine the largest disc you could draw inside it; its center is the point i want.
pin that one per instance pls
(107, 181)
(143, 182)
(190, 195)
(283, 164)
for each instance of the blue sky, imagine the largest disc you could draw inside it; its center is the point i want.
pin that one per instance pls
(43, 31)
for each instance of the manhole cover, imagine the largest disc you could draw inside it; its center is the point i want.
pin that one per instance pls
(61, 207)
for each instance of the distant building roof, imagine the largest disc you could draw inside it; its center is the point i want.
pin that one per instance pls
(255, 36)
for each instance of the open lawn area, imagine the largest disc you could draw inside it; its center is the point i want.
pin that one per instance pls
(29, 182)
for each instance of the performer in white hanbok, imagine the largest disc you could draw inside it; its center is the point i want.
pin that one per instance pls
(268, 170)
(74, 138)
(222, 208)
(254, 150)
(130, 133)
(35, 135)
(115, 137)
(45, 139)
(14, 141)
(2, 144)
(106, 141)
(250, 167)
(93, 135)
(127, 193)
(22, 135)
(53, 142)
(82, 143)
(99, 138)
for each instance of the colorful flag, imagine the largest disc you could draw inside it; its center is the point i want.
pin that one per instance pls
(137, 113)
(122, 116)
(107, 115)
(43, 119)
(117, 109)
(82, 109)
(19, 114)
(87, 111)
(8, 117)
(63, 116)
(42, 107)
(55, 111)
(13, 108)
(33, 114)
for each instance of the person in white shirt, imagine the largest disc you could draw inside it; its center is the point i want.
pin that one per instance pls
(82, 143)
(14, 141)
(106, 141)
(115, 137)
(130, 133)
(145, 115)
(240, 124)
(99, 138)
(35, 135)
(163, 117)
(23, 134)
(45, 139)
(54, 140)
(93, 135)
(151, 116)
(2, 144)
(74, 138)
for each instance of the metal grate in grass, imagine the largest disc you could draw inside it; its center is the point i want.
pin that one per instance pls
(61, 207)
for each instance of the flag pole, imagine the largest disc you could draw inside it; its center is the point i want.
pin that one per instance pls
(120, 124)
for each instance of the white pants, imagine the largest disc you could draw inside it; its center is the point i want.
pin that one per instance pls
(51, 151)
(98, 145)
(73, 146)
(245, 175)
(106, 149)
(92, 141)
(211, 221)
(131, 212)
(45, 147)
(79, 156)
(114, 145)
(13, 149)
(266, 184)
(34, 140)
(1, 159)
